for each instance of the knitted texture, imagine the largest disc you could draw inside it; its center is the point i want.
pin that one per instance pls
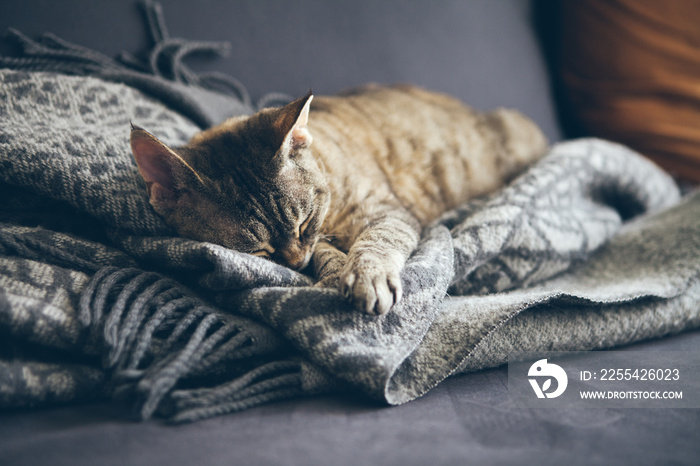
(588, 249)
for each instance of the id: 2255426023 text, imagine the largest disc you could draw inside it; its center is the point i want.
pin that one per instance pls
(612, 375)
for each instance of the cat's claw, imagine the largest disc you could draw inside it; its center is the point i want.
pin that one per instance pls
(373, 293)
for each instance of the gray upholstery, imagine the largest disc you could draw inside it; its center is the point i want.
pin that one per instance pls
(481, 51)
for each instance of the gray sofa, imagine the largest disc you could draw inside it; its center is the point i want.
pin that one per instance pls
(489, 53)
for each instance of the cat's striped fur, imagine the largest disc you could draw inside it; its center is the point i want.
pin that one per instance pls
(349, 180)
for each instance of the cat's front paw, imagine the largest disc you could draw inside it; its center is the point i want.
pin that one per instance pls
(328, 263)
(373, 287)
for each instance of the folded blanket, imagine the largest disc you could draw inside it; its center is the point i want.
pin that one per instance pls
(590, 248)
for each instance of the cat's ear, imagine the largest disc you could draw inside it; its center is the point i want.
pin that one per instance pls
(165, 172)
(291, 124)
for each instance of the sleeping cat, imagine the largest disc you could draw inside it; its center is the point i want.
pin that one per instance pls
(346, 182)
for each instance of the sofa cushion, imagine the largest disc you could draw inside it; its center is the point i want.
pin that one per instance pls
(484, 52)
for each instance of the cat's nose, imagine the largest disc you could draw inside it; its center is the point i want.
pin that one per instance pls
(295, 257)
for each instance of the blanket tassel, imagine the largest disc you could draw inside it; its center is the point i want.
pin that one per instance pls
(157, 341)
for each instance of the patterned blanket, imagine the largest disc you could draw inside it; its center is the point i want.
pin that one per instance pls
(590, 248)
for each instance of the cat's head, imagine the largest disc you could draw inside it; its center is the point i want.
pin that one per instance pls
(249, 184)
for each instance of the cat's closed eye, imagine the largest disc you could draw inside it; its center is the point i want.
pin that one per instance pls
(266, 252)
(304, 227)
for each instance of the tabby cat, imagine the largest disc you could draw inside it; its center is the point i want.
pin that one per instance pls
(346, 182)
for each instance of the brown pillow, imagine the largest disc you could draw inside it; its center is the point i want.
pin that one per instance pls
(631, 72)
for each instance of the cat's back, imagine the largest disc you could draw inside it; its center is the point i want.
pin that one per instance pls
(431, 151)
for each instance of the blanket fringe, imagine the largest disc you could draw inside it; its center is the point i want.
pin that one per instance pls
(272, 382)
(155, 338)
(164, 60)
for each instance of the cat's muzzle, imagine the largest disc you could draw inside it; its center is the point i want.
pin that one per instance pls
(295, 258)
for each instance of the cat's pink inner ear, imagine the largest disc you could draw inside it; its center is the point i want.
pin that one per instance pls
(153, 159)
(290, 124)
(300, 135)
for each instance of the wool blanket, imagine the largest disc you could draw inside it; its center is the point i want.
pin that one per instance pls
(591, 248)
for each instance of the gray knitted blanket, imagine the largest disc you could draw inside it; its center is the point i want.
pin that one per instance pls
(591, 248)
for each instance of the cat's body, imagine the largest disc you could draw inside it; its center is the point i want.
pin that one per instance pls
(350, 180)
